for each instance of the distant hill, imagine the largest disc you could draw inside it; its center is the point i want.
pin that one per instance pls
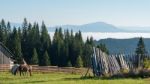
(91, 27)
(126, 46)
(95, 27)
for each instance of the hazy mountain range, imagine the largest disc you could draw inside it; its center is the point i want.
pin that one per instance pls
(126, 46)
(96, 27)
(114, 45)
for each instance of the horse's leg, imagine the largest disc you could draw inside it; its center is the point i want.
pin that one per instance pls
(30, 72)
(20, 72)
(23, 73)
(26, 73)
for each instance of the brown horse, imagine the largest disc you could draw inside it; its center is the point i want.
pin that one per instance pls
(24, 70)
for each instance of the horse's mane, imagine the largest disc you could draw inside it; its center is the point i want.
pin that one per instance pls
(24, 62)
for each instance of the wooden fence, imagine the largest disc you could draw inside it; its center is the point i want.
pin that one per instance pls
(4, 67)
(113, 64)
(47, 69)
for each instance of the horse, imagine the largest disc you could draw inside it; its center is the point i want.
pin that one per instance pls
(22, 68)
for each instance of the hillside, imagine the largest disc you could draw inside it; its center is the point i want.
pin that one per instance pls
(127, 46)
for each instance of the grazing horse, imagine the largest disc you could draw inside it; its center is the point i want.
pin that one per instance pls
(23, 69)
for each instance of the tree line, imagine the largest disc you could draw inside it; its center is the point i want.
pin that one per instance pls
(33, 43)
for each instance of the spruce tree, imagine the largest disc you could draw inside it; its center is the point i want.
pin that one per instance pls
(45, 59)
(8, 35)
(3, 31)
(60, 48)
(34, 59)
(77, 47)
(88, 50)
(45, 38)
(65, 56)
(71, 49)
(24, 40)
(103, 48)
(79, 62)
(45, 42)
(54, 50)
(140, 52)
(16, 46)
(8, 28)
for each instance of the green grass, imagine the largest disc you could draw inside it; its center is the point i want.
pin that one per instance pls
(62, 78)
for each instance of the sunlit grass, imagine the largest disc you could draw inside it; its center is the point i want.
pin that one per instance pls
(62, 78)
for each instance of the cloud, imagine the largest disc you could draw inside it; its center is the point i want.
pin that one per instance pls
(119, 35)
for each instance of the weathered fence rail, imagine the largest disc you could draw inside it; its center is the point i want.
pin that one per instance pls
(113, 64)
(4, 67)
(58, 69)
(45, 69)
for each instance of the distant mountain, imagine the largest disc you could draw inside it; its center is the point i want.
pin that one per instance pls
(91, 27)
(126, 46)
(95, 27)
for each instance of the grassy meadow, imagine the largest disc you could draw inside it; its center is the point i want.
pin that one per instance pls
(62, 78)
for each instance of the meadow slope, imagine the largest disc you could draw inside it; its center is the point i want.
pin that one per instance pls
(62, 78)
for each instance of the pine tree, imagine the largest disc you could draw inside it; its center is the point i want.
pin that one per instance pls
(58, 48)
(8, 35)
(77, 47)
(8, 28)
(45, 42)
(79, 62)
(3, 31)
(24, 40)
(54, 57)
(65, 55)
(34, 59)
(16, 45)
(35, 38)
(88, 49)
(45, 38)
(71, 49)
(19, 33)
(141, 51)
(103, 48)
(45, 59)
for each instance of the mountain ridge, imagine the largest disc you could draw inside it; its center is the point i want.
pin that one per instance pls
(90, 27)
(127, 46)
(96, 27)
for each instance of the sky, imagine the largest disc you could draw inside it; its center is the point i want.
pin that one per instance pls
(60, 12)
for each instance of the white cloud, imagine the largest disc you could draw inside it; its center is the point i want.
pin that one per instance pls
(119, 35)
